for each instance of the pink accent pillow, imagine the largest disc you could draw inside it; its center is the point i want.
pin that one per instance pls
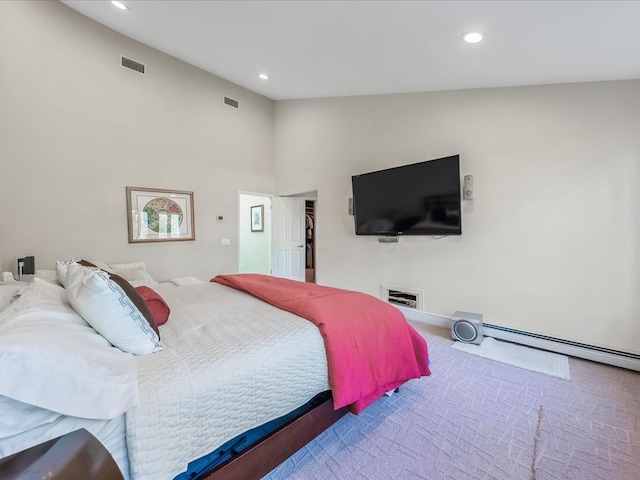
(159, 308)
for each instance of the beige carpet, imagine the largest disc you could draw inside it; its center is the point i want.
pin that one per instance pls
(475, 418)
(540, 361)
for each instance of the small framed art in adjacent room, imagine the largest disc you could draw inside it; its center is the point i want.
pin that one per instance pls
(257, 218)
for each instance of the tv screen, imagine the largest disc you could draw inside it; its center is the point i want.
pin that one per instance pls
(418, 199)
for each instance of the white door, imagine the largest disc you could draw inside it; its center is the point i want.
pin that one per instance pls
(288, 243)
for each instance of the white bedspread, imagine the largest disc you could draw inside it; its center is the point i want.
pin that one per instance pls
(231, 362)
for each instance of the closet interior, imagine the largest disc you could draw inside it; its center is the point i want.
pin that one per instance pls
(310, 248)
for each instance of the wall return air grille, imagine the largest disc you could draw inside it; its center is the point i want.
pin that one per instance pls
(133, 65)
(231, 102)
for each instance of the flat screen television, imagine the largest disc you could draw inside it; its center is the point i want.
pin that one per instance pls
(418, 199)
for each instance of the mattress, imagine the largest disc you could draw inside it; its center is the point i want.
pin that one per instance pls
(231, 363)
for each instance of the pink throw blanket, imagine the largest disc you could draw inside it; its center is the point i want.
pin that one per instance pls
(371, 348)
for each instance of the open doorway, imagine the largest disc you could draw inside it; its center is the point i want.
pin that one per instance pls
(308, 204)
(286, 247)
(254, 235)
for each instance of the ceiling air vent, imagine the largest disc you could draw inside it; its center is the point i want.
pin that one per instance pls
(133, 65)
(231, 102)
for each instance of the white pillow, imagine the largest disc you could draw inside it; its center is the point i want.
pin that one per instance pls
(135, 273)
(47, 275)
(101, 265)
(185, 281)
(62, 267)
(45, 297)
(7, 291)
(61, 272)
(108, 309)
(51, 358)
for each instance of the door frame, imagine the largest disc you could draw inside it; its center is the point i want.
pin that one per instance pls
(309, 195)
(312, 195)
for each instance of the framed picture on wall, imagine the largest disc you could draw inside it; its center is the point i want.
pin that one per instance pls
(257, 218)
(157, 215)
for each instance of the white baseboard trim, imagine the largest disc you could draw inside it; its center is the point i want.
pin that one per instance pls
(616, 358)
(424, 317)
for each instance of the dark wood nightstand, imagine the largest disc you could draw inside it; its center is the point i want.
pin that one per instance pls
(76, 455)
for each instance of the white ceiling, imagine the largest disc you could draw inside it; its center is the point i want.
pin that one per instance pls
(335, 48)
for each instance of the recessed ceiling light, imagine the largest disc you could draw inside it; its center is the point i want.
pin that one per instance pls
(264, 76)
(472, 37)
(120, 5)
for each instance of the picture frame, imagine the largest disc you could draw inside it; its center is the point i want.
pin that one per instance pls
(159, 215)
(257, 218)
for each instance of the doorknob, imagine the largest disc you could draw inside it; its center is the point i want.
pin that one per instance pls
(300, 246)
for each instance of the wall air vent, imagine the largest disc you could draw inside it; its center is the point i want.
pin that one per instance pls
(231, 102)
(133, 65)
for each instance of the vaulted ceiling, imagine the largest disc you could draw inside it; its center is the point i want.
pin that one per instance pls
(313, 49)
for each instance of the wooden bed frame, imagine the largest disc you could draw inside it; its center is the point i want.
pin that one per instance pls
(271, 451)
(80, 455)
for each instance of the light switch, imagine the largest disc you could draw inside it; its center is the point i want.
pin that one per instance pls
(225, 241)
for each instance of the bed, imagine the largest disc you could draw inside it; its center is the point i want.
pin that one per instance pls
(227, 362)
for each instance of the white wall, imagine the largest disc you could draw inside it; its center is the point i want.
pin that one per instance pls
(550, 243)
(254, 247)
(76, 128)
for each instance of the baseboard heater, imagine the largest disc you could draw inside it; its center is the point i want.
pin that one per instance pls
(630, 361)
(617, 358)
